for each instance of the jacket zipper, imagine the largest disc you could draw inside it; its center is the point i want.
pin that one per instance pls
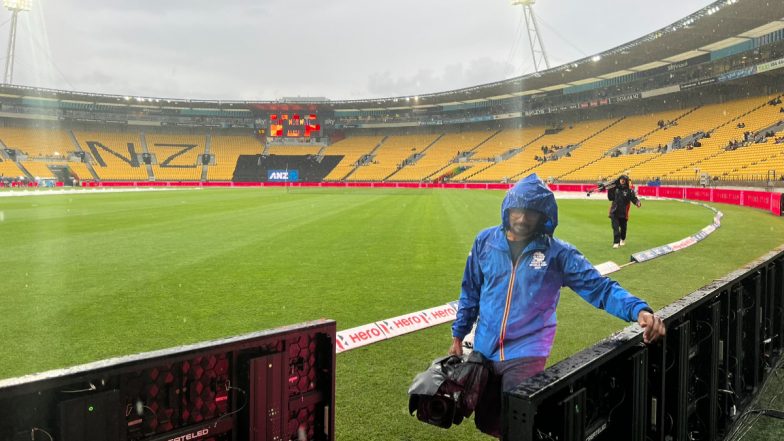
(509, 292)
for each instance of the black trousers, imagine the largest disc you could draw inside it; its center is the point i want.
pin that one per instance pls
(619, 228)
(505, 376)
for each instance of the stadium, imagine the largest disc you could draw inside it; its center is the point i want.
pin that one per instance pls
(135, 224)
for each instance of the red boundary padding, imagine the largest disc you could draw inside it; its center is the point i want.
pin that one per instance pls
(763, 200)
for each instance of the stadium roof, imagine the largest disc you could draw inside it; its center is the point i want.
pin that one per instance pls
(717, 26)
(696, 34)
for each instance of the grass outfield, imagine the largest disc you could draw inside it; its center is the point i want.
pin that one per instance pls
(87, 277)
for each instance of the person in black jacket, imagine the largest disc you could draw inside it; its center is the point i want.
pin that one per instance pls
(622, 196)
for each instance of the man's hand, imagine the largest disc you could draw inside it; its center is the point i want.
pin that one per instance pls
(638, 204)
(457, 347)
(652, 326)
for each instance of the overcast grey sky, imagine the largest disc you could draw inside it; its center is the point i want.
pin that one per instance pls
(265, 50)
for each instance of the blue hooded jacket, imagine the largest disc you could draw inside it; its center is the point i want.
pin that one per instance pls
(516, 301)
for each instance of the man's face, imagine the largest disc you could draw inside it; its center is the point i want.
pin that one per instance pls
(524, 223)
(623, 181)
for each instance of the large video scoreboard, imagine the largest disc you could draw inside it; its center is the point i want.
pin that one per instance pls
(294, 125)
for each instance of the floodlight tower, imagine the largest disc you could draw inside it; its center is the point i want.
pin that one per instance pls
(15, 6)
(534, 38)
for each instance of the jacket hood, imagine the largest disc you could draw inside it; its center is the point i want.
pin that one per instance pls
(530, 193)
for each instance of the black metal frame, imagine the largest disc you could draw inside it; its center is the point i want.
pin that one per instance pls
(265, 385)
(721, 342)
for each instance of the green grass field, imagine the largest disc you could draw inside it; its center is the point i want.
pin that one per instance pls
(86, 277)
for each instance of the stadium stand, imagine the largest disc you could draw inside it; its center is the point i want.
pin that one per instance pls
(41, 169)
(589, 139)
(391, 154)
(352, 149)
(595, 162)
(754, 162)
(557, 143)
(441, 155)
(9, 169)
(485, 155)
(735, 140)
(719, 121)
(676, 123)
(640, 142)
(40, 149)
(45, 169)
(227, 151)
(35, 142)
(734, 154)
(80, 171)
(177, 156)
(294, 150)
(113, 154)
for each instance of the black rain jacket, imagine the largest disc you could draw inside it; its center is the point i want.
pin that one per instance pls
(621, 197)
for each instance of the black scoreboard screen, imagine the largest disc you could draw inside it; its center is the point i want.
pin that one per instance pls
(294, 125)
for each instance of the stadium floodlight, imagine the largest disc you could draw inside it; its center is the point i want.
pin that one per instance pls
(534, 37)
(15, 6)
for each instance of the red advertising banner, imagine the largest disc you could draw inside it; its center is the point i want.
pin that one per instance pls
(747, 198)
(726, 196)
(648, 191)
(672, 192)
(567, 187)
(756, 199)
(699, 194)
(499, 186)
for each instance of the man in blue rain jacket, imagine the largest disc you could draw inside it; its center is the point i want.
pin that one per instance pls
(511, 287)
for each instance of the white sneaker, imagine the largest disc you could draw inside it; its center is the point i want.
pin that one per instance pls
(623, 243)
(615, 245)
